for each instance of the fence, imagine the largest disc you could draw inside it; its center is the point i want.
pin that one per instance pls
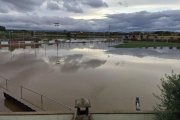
(34, 98)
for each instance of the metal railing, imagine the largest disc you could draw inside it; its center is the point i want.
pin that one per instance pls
(42, 98)
(3, 79)
(34, 98)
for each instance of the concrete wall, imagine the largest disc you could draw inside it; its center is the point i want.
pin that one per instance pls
(123, 116)
(131, 116)
(36, 117)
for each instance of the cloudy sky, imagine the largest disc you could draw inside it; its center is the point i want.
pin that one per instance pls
(91, 15)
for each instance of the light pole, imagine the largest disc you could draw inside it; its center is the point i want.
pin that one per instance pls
(11, 47)
(9, 38)
(56, 41)
(45, 48)
(109, 34)
(35, 43)
(24, 44)
(56, 25)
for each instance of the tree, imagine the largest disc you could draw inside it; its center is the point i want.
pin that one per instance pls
(68, 34)
(2, 28)
(169, 106)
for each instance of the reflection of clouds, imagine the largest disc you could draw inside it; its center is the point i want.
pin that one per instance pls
(71, 58)
(121, 63)
(22, 68)
(160, 53)
(73, 63)
(68, 58)
(21, 60)
(4, 57)
(117, 63)
(97, 90)
(93, 63)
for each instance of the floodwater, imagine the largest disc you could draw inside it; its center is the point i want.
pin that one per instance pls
(110, 78)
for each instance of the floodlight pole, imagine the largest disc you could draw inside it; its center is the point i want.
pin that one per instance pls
(56, 41)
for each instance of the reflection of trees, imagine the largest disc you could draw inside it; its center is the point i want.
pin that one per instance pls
(159, 52)
(11, 49)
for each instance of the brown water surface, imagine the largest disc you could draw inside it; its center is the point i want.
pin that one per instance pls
(111, 78)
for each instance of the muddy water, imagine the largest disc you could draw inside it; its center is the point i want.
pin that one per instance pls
(110, 78)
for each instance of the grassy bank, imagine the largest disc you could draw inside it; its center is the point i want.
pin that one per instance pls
(141, 44)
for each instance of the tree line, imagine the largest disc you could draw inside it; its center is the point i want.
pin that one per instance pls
(2, 28)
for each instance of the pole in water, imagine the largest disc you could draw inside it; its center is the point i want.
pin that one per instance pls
(137, 104)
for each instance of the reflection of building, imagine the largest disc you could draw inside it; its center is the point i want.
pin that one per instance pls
(4, 42)
(12, 45)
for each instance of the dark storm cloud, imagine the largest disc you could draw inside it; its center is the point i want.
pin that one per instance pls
(21, 5)
(143, 21)
(75, 6)
(52, 5)
(65, 5)
(3, 9)
(95, 3)
(139, 21)
(90, 3)
(44, 22)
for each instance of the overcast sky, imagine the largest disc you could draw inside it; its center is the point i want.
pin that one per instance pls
(91, 15)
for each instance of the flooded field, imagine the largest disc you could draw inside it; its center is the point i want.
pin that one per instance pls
(111, 78)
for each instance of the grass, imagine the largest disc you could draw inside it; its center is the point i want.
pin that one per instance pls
(141, 44)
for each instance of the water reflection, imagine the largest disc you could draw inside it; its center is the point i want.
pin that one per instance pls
(72, 63)
(121, 63)
(110, 78)
(142, 52)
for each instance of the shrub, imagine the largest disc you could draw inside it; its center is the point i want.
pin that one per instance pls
(169, 106)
